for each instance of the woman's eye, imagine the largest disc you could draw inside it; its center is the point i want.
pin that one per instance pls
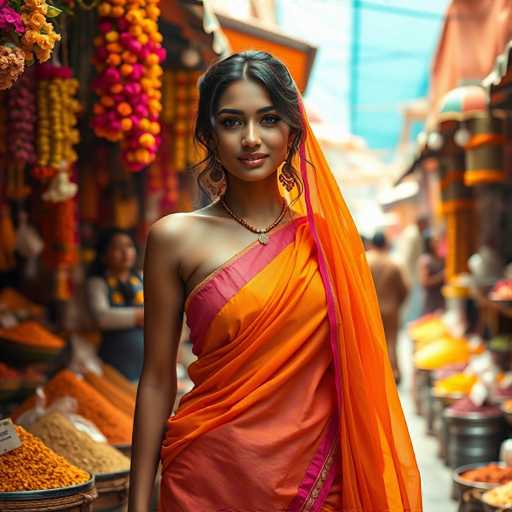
(230, 122)
(271, 119)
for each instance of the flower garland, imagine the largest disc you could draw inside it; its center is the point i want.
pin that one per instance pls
(181, 96)
(128, 58)
(26, 35)
(21, 120)
(39, 37)
(12, 64)
(57, 118)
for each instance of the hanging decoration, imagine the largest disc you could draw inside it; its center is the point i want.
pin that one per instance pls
(56, 137)
(181, 96)
(21, 121)
(56, 125)
(59, 232)
(26, 35)
(128, 57)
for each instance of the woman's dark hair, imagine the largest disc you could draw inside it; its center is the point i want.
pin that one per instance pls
(262, 68)
(105, 238)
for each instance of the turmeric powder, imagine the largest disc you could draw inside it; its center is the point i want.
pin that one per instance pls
(112, 393)
(33, 467)
(115, 425)
(32, 334)
(117, 378)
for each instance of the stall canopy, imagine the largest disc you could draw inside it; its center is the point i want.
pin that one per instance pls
(296, 54)
(499, 81)
(215, 34)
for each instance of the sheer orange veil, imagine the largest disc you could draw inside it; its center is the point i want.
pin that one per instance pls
(379, 471)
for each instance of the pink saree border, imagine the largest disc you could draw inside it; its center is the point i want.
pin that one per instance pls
(225, 282)
(324, 273)
(320, 474)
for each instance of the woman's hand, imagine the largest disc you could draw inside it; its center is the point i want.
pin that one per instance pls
(139, 317)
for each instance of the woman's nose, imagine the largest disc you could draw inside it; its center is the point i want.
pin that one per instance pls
(250, 137)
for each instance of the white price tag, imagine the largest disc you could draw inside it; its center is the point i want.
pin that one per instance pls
(9, 440)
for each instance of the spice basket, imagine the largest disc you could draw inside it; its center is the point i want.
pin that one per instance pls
(112, 491)
(77, 498)
(25, 353)
(462, 485)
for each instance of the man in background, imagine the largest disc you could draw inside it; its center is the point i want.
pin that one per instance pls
(392, 291)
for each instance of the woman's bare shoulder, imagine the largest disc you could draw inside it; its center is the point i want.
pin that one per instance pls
(178, 228)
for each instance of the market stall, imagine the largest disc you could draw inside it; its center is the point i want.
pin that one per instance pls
(97, 110)
(463, 354)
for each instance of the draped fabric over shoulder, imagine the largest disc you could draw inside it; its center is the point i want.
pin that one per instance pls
(294, 406)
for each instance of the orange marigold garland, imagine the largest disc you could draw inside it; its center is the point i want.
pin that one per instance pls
(128, 58)
(26, 35)
(57, 118)
(56, 137)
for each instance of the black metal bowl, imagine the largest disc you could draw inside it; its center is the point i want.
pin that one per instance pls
(61, 492)
(463, 485)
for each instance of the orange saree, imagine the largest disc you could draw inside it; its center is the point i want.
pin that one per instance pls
(294, 406)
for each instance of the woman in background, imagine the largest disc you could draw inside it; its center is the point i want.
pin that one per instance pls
(116, 298)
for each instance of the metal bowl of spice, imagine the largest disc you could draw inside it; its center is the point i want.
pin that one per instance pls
(61, 492)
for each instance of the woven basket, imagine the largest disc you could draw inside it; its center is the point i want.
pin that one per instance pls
(78, 498)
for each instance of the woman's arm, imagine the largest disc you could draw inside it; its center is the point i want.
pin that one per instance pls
(163, 295)
(106, 316)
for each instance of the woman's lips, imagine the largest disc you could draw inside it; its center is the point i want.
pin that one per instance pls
(253, 161)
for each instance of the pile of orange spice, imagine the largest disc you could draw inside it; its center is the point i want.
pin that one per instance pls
(14, 301)
(113, 423)
(33, 467)
(117, 378)
(32, 334)
(491, 473)
(112, 393)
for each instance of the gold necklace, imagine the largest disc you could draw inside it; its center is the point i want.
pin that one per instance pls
(262, 233)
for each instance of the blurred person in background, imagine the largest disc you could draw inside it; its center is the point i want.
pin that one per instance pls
(392, 291)
(116, 300)
(431, 275)
(408, 248)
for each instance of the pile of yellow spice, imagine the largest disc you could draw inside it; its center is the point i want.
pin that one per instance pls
(34, 467)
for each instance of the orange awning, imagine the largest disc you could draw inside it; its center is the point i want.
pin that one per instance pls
(296, 54)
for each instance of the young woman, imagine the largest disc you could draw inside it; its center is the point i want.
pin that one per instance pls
(294, 405)
(116, 299)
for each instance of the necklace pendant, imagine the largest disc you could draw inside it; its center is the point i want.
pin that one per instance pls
(263, 238)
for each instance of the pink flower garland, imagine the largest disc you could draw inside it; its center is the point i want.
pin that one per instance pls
(128, 57)
(21, 120)
(10, 19)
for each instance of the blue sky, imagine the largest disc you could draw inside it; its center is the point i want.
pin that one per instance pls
(358, 83)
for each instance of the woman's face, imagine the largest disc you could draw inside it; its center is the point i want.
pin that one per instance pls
(121, 254)
(252, 139)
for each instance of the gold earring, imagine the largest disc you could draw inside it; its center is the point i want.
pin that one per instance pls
(286, 177)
